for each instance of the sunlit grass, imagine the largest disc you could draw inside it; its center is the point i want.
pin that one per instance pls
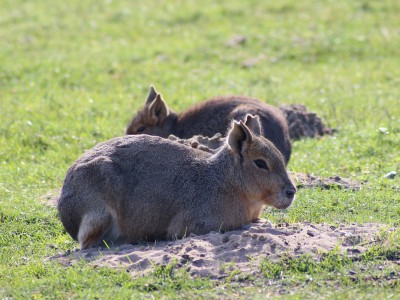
(73, 73)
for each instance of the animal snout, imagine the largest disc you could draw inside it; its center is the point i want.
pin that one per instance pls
(290, 191)
(285, 198)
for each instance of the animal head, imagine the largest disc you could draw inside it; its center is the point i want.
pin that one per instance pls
(153, 118)
(264, 177)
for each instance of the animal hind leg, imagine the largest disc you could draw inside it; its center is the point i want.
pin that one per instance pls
(93, 228)
(182, 225)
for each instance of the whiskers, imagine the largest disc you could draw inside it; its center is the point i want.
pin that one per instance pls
(269, 199)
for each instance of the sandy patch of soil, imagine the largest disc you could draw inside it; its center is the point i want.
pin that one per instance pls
(310, 181)
(216, 254)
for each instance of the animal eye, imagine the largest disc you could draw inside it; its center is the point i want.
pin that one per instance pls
(140, 129)
(261, 164)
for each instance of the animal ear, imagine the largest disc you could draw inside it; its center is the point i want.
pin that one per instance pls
(239, 135)
(158, 108)
(253, 123)
(152, 95)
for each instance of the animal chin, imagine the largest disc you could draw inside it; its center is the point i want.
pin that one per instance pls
(284, 204)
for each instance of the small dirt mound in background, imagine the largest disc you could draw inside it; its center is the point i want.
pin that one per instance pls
(309, 181)
(304, 124)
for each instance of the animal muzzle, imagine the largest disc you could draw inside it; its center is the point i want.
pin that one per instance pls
(287, 197)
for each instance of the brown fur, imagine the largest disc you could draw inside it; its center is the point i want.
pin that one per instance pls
(210, 117)
(143, 187)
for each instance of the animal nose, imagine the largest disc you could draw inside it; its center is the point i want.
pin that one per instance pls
(290, 193)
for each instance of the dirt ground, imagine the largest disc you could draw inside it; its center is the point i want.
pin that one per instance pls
(304, 124)
(216, 255)
(309, 181)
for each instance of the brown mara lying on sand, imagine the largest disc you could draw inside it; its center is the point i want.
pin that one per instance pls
(137, 188)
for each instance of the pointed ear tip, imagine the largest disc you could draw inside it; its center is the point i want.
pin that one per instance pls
(240, 125)
(250, 116)
(152, 95)
(236, 123)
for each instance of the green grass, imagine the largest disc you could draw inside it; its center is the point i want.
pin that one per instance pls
(73, 73)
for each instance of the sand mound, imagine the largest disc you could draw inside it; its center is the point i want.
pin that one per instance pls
(215, 254)
(304, 124)
(310, 181)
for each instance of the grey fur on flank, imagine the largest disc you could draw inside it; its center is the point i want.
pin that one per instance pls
(142, 187)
